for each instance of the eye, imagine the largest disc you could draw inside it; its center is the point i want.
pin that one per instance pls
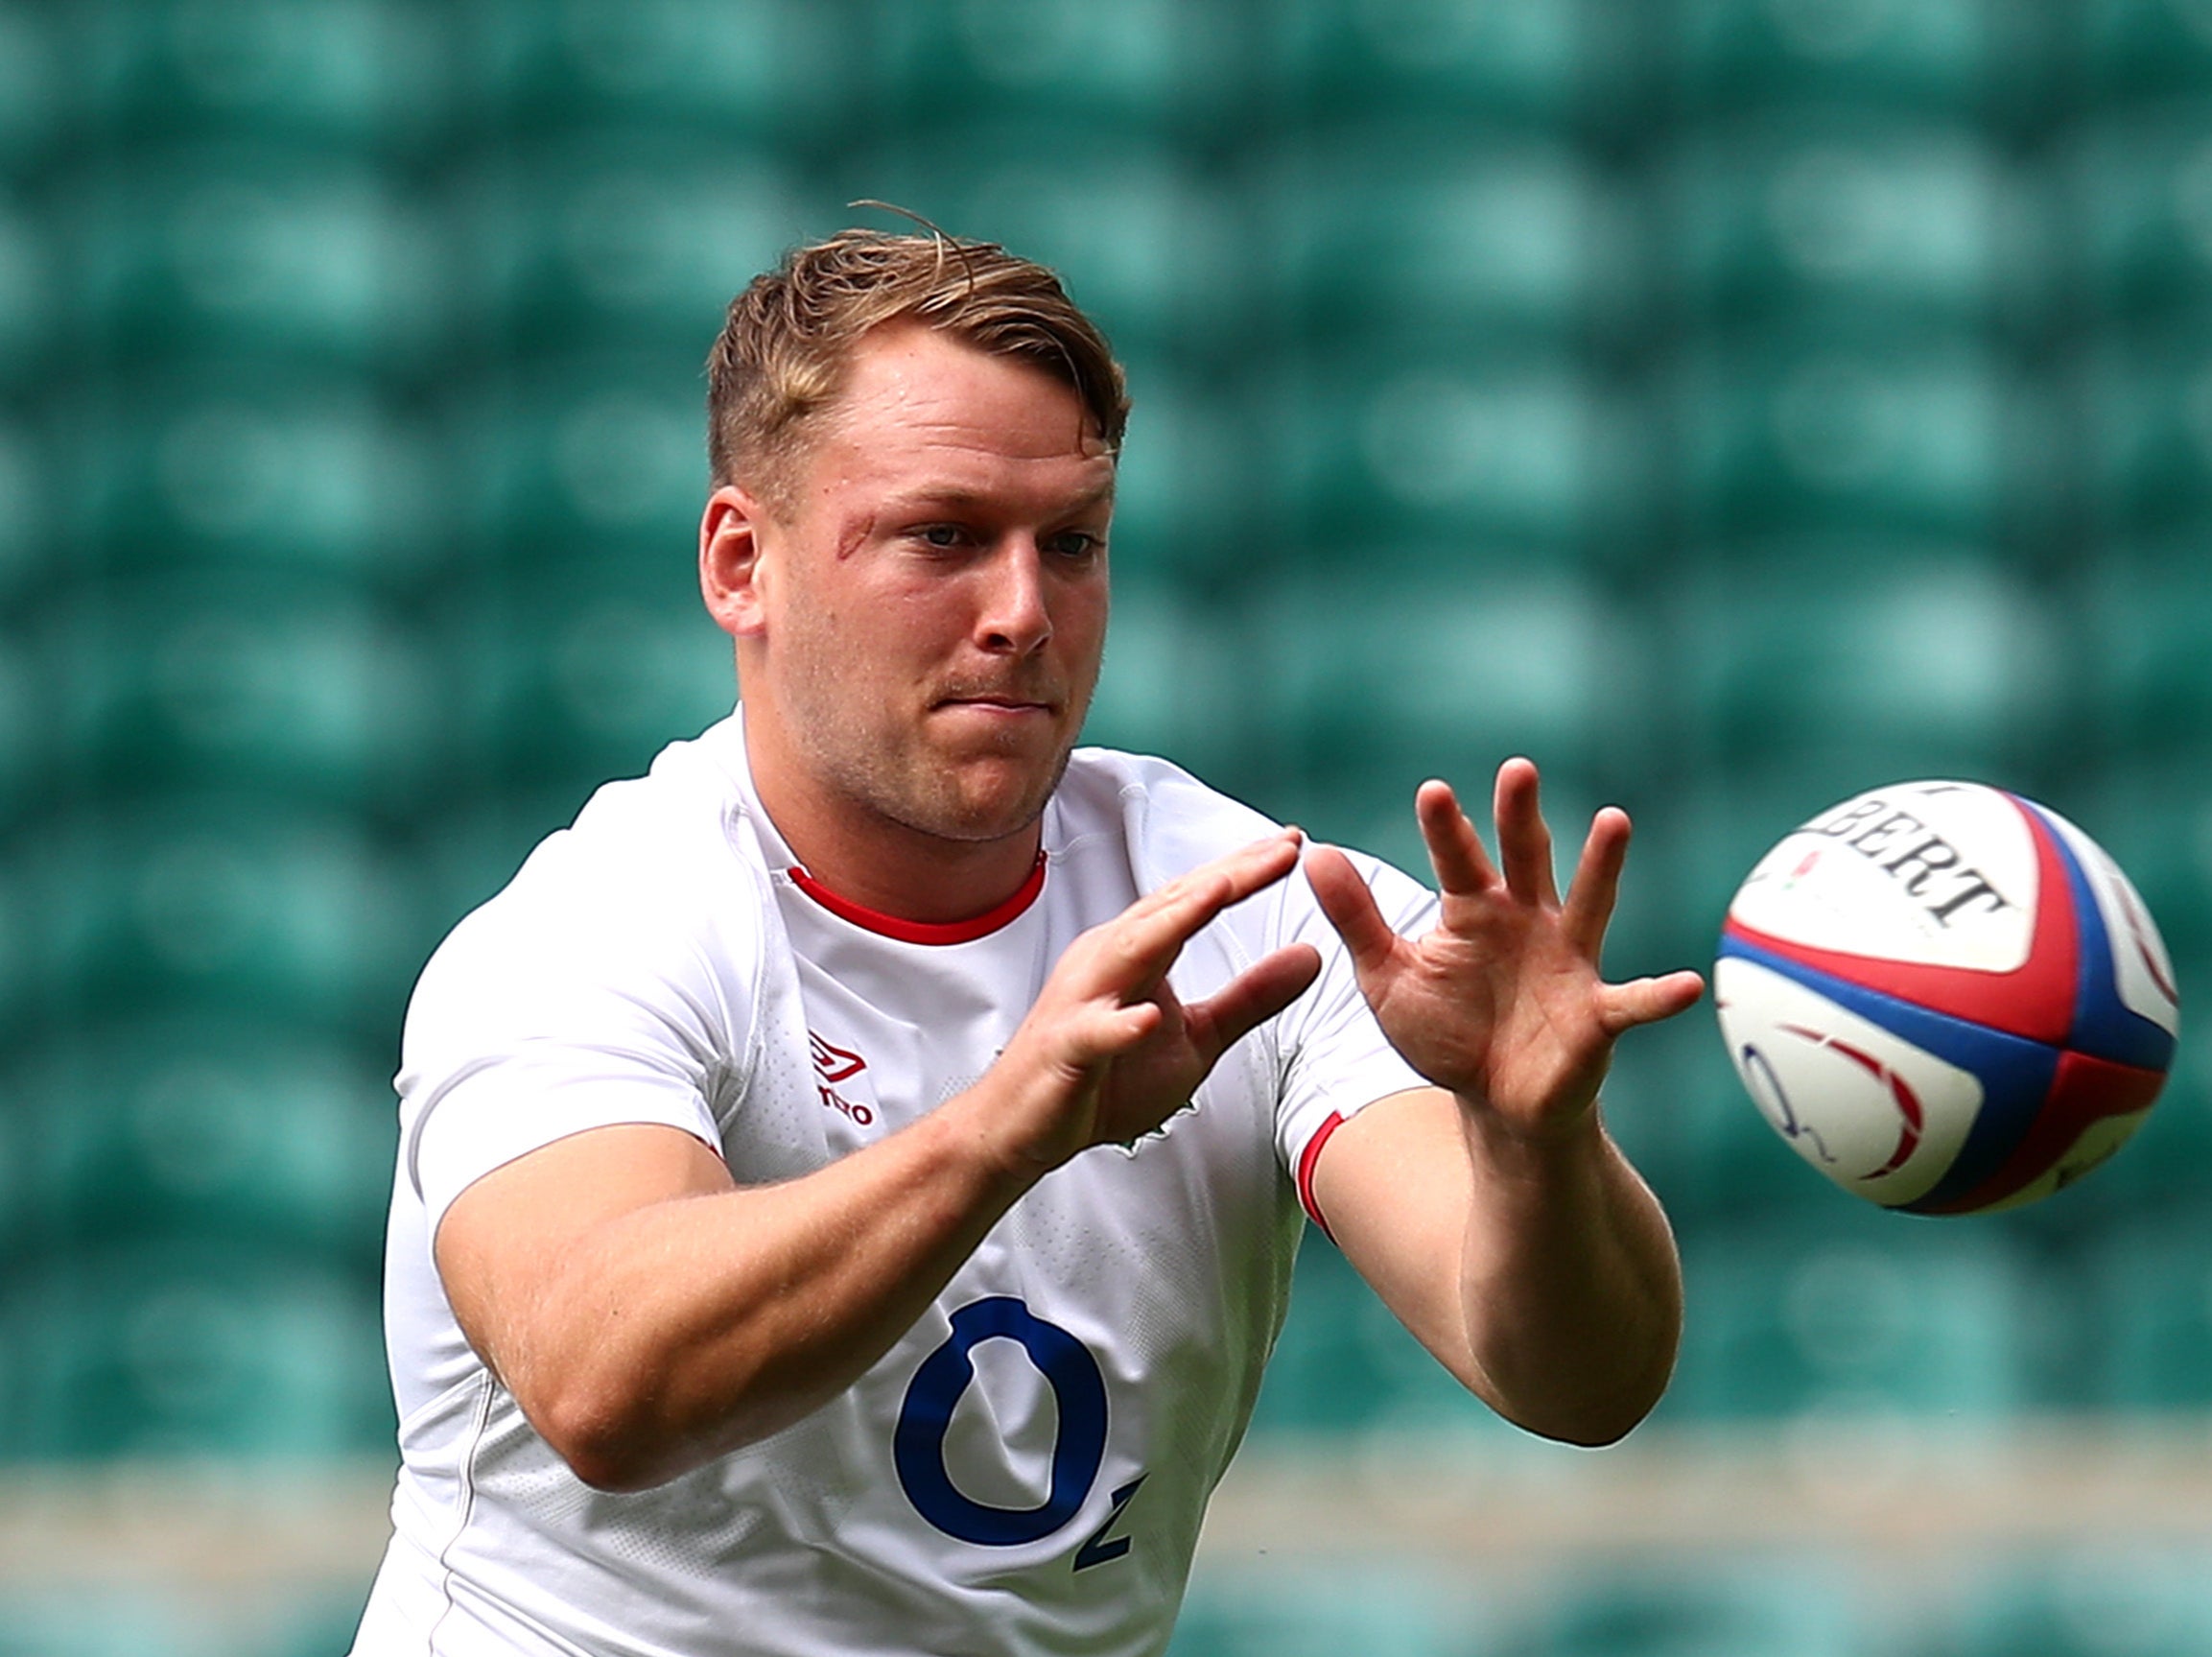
(1073, 544)
(939, 535)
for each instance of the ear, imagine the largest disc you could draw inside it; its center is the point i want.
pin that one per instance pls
(730, 533)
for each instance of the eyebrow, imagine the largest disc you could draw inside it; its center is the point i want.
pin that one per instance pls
(961, 499)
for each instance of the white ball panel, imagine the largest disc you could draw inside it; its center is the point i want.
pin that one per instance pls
(1839, 1115)
(1936, 873)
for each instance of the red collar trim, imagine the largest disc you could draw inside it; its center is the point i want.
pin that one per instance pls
(923, 931)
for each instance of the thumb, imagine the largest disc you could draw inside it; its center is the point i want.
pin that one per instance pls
(1350, 909)
(1649, 1000)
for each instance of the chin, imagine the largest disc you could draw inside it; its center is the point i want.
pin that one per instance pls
(1001, 802)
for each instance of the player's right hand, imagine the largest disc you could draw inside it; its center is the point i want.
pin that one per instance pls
(1109, 1052)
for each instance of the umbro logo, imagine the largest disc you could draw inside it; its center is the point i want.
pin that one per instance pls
(834, 1064)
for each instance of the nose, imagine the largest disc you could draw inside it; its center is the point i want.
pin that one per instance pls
(1014, 618)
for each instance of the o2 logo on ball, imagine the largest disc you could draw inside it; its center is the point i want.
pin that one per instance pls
(1079, 1391)
(1947, 998)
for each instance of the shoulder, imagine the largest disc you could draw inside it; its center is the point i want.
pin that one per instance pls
(654, 872)
(1169, 819)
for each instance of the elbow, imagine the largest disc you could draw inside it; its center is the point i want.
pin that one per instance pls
(622, 1438)
(1592, 1416)
(1589, 1426)
(601, 1440)
(613, 1433)
(1600, 1430)
(1602, 1421)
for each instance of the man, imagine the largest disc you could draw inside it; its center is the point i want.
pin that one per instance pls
(849, 1182)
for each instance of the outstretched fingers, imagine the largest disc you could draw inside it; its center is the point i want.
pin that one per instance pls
(1143, 942)
(1250, 999)
(1523, 836)
(1351, 910)
(1622, 1006)
(1462, 868)
(1595, 888)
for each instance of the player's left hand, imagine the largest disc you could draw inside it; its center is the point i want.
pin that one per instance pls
(1502, 1003)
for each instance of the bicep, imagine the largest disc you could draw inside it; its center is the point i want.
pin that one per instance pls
(504, 1244)
(1396, 1188)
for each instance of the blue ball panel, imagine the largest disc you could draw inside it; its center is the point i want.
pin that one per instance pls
(2104, 1027)
(2016, 1074)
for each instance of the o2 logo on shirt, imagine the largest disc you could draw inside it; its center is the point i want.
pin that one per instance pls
(944, 1377)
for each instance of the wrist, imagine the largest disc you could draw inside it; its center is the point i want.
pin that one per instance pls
(997, 1126)
(1537, 1147)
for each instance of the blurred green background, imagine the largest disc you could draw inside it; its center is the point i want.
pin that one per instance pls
(1734, 404)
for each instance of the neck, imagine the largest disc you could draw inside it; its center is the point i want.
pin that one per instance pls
(879, 863)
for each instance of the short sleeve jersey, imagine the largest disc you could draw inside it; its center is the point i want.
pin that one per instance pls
(1025, 1469)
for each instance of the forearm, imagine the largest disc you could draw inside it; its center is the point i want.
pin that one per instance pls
(681, 1330)
(1569, 1283)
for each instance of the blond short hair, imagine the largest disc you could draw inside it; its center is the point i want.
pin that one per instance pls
(789, 339)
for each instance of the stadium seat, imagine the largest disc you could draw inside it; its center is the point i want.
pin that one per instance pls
(1852, 1319)
(1378, 1609)
(1523, 61)
(18, 945)
(24, 724)
(1187, 487)
(22, 1197)
(586, 678)
(261, 252)
(2123, 52)
(1155, 250)
(1142, 67)
(223, 465)
(614, 240)
(1862, 429)
(579, 456)
(2151, 1289)
(1847, 677)
(1794, 210)
(373, 73)
(1452, 680)
(27, 533)
(775, 69)
(2149, 619)
(1795, 1606)
(1428, 237)
(1955, 55)
(2137, 192)
(2148, 430)
(1171, 684)
(2118, 1598)
(284, 688)
(207, 1128)
(215, 904)
(37, 97)
(32, 296)
(166, 1348)
(1522, 453)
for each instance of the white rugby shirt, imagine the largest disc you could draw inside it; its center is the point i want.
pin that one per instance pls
(1026, 1470)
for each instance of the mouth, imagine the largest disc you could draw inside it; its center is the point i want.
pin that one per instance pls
(995, 703)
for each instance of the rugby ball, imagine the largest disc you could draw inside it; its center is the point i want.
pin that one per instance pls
(1947, 998)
